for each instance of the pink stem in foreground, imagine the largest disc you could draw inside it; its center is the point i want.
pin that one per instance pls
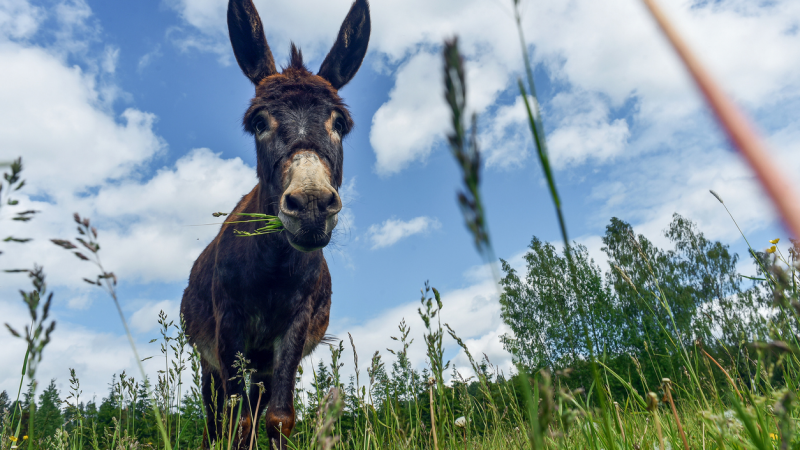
(739, 129)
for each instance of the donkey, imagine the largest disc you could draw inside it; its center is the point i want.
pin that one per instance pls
(268, 297)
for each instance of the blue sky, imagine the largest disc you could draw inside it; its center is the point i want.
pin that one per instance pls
(129, 113)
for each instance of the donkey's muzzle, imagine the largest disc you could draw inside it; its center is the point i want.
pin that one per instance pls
(309, 205)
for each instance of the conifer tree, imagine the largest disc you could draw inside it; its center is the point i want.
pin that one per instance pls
(49, 417)
(5, 405)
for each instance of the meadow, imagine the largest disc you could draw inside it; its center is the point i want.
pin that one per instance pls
(681, 386)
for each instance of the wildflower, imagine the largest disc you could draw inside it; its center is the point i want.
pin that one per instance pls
(13, 438)
(775, 241)
(24, 437)
(773, 436)
(461, 422)
(772, 249)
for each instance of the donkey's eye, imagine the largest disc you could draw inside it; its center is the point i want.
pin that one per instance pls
(338, 126)
(260, 125)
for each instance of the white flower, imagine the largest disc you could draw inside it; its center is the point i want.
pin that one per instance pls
(461, 422)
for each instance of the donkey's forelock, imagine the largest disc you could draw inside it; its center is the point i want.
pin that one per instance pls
(296, 60)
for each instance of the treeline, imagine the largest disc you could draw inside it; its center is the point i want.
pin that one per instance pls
(122, 418)
(633, 314)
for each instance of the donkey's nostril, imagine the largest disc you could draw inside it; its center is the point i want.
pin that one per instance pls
(331, 204)
(295, 202)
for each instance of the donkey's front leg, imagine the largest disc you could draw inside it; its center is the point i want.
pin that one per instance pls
(230, 342)
(288, 353)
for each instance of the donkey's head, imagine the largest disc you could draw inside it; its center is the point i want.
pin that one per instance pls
(298, 121)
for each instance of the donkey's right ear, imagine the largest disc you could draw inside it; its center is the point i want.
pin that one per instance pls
(248, 41)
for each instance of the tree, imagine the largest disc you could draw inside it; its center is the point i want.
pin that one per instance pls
(650, 305)
(542, 309)
(48, 416)
(708, 271)
(5, 405)
(110, 406)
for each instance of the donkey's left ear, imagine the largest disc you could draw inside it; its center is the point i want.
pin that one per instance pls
(344, 59)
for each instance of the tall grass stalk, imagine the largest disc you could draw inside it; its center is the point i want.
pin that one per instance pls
(540, 143)
(108, 281)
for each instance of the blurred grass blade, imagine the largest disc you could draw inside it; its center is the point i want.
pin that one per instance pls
(465, 150)
(738, 128)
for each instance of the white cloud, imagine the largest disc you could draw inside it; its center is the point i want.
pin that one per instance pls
(148, 58)
(610, 53)
(584, 130)
(18, 19)
(393, 230)
(145, 319)
(405, 128)
(110, 59)
(349, 195)
(52, 116)
(506, 139)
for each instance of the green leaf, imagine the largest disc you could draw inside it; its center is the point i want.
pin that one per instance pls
(20, 240)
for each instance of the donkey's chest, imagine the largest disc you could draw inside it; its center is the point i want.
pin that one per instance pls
(268, 315)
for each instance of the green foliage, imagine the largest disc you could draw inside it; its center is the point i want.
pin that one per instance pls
(540, 309)
(5, 405)
(49, 417)
(651, 304)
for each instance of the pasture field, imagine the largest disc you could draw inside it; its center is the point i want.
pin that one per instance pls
(673, 389)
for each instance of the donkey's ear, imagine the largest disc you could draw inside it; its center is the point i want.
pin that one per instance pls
(344, 59)
(248, 41)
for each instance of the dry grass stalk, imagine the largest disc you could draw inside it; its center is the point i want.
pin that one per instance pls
(254, 418)
(619, 422)
(667, 386)
(738, 128)
(652, 406)
(730, 380)
(230, 423)
(431, 382)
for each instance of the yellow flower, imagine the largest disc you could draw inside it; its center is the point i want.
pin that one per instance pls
(24, 437)
(772, 249)
(774, 241)
(773, 436)
(13, 438)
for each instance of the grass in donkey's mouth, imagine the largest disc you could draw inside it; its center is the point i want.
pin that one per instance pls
(273, 223)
